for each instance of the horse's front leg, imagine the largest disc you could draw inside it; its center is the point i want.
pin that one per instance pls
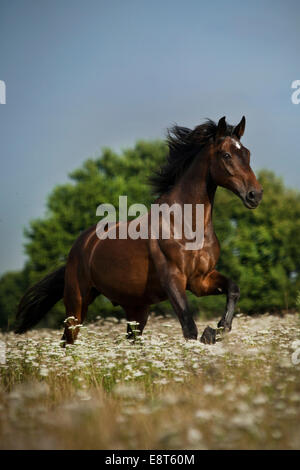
(216, 284)
(175, 289)
(174, 283)
(233, 295)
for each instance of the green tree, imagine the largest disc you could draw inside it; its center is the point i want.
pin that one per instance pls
(12, 287)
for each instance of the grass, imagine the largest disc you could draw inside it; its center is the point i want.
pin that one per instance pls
(157, 393)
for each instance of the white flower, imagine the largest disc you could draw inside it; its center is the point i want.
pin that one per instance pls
(44, 372)
(194, 435)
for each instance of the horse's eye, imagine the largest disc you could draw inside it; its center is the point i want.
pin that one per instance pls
(226, 156)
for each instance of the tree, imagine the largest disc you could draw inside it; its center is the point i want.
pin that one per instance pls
(12, 287)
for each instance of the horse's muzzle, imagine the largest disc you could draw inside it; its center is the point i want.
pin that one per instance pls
(253, 198)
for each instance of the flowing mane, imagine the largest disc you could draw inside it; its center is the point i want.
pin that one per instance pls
(184, 144)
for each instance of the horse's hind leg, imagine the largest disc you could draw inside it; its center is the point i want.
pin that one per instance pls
(138, 315)
(73, 306)
(76, 299)
(76, 302)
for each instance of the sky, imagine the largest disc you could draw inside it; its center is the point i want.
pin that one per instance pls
(82, 75)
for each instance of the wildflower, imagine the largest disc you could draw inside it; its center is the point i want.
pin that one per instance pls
(194, 436)
(276, 434)
(203, 415)
(44, 372)
(260, 399)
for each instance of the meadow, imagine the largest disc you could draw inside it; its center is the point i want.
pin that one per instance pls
(158, 392)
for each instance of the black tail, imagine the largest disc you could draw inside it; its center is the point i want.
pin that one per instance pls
(39, 299)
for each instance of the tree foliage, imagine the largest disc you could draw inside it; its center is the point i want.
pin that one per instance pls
(260, 249)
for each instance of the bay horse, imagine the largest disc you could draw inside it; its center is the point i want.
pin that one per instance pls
(135, 273)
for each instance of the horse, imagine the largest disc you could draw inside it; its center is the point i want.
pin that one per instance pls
(136, 273)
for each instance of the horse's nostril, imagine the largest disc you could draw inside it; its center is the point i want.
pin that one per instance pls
(251, 195)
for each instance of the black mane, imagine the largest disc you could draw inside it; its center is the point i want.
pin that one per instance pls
(184, 144)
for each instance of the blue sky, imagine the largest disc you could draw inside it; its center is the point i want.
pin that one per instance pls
(81, 75)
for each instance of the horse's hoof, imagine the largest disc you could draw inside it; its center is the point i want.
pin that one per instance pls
(224, 327)
(208, 336)
(190, 332)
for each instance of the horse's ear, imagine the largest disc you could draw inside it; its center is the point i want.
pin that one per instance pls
(239, 130)
(222, 128)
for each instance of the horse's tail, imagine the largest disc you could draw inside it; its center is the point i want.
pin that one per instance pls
(39, 299)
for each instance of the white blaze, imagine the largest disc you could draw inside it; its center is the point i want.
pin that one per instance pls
(236, 143)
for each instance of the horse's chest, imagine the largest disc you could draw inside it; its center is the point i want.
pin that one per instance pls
(207, 258)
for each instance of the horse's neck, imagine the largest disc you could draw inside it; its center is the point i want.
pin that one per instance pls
(195, 187)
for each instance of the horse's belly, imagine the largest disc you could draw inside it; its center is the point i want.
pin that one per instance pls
(122, 271)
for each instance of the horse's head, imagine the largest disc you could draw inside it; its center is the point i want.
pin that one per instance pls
(230, 164)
